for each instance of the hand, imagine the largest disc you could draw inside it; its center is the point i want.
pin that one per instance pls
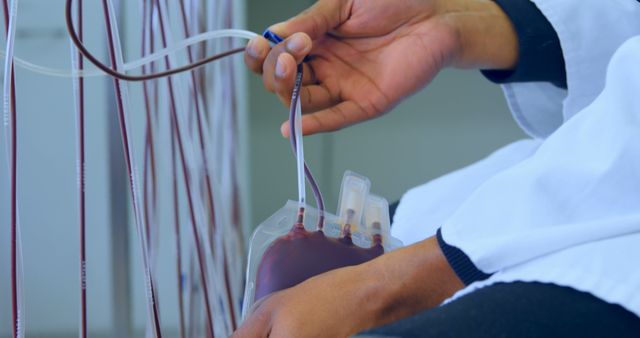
(368, 55)
(322, 306)
(343, 302)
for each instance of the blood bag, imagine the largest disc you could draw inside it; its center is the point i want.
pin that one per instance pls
(285, 251)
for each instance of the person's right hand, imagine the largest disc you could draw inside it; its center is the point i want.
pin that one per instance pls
(368, 55)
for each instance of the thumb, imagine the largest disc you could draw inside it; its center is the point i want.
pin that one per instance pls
(298, 45)
(256, 326)
(317, 20)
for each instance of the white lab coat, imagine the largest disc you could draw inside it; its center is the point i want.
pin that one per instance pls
(564, 206)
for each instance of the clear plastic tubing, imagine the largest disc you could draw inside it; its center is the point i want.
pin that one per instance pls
(299, 146)
(9, 105)
(181, 148)
(78, 89)
(217, 34)
(295, 127)
(207, 176)
(10, 13)
(115, 51)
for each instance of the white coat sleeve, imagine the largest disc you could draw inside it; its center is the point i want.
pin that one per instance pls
(590, 31)
(581, 186)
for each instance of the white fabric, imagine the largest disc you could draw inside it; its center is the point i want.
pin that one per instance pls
(546, 99)
(569, 214)
(590, 31)
(424, 209)
(566, 209)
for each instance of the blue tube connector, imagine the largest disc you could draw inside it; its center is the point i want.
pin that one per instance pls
(272, 37)
(276, 39)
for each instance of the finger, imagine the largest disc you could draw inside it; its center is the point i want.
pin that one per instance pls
(257, 325)
(255, 54)
(298, 46)
(322, 17)
(284, 77)
(313, 97)
(308, 75)
(334, 118)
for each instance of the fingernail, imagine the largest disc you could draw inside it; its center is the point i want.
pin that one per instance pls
(284, 130)
(277, 27)
(281, 68)
(296, 44)
(252, 49)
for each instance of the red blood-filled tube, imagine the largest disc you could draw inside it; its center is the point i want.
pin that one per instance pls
(176, 222)
(13, 172)
(294, 146)
(149, 165)
(176, 122)
(125, 140)
(126, 77)
(205, 161)
(81, 178)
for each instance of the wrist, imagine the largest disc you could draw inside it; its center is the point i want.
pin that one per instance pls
(404, 282)
(486, 38)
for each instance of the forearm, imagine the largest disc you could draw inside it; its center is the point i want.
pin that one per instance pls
(486, 37)
(405, 282)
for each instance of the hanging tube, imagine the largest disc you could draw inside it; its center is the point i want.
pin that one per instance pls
(217, 34)
(10, 121)
(78, 90)
(115, 53)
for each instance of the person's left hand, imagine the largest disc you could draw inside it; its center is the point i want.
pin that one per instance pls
(328, 305)
(343, 302)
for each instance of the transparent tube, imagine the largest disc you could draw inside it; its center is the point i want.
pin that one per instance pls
(217, 34)
(8, 63)
(300, 153)
(191, 163)
(80, 175)
(133, 170)
(295, 130)
(10, 138)
(21, 307)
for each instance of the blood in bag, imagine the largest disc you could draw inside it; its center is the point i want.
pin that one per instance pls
(301, 254)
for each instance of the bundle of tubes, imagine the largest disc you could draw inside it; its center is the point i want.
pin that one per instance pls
(190, 122)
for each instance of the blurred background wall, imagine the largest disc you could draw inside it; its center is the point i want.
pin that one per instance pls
(458, 119)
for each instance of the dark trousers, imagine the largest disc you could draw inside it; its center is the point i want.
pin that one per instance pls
(519, 310)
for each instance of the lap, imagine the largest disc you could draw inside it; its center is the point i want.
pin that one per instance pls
(519, 310)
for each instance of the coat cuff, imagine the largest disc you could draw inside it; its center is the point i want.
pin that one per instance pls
(540, 54)
(460, 262)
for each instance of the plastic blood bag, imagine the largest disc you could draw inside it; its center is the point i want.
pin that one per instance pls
(301, 254)
(285, 251)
